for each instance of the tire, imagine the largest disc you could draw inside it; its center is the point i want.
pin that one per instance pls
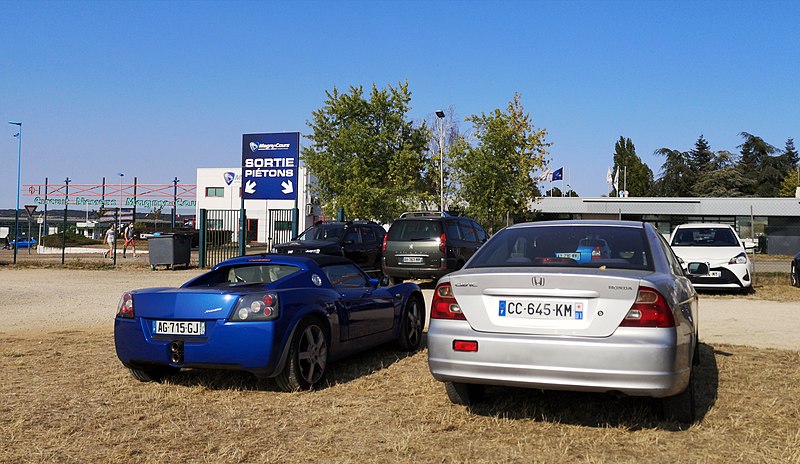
(680, 408)
(464, 393)
(152, 374)
(795, 276)
(308, 358)
(411, 325)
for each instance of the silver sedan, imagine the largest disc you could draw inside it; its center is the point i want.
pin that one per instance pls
(598, 306)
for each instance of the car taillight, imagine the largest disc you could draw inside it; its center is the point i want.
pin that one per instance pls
(125, 308)
(444, 305)
(385, 238)
(443, 243)
(257, 307)
(649, 310)
(597, 253)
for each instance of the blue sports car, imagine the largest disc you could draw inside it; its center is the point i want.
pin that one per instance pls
(280, 316)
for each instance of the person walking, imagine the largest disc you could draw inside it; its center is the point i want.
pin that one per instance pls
(110, 237)
(130, 232)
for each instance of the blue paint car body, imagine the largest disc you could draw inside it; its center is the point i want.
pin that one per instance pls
(356, 316)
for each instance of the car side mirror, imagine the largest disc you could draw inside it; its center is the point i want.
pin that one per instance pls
(375, 282)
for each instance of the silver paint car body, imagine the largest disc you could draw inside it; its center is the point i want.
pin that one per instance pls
(593, 353)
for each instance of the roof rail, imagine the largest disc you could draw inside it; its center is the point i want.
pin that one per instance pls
(424, 213)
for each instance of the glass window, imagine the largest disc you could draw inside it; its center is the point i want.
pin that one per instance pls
(352, 235)
(215, 191)
(345, 276)
(705, 237)
(467, 231)
(583, 246)
(415, 230)
(323, 232)
(369, 235)
(453, 231)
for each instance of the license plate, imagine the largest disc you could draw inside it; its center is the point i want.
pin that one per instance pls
(715, 273)
(412, 259)
(179, 328)
(542, 309)
(575, 256)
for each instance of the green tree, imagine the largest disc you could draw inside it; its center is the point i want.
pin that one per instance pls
(675, 179)
(367, 157)
(723, 178)
(757, 162)
(791, 161)
(635, 176)
(496, 174)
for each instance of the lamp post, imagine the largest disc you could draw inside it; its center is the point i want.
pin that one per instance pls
(174, 200)
(440, 116)
(19, 164)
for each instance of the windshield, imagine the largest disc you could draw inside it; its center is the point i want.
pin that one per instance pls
(323, 233)
(705, 237)
(415, 230)
(566, 245)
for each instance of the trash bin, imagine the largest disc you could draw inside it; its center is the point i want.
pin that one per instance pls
(169, 250)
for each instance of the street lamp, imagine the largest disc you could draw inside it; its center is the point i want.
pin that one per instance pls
(440, 116)
(19, 164)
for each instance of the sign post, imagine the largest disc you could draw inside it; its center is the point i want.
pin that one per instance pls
(269, 171)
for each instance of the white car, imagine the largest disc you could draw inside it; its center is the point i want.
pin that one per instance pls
(713, 256)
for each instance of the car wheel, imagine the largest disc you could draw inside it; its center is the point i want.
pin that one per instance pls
(680, 408)
(308, 359)
(411, 325)
(464, 393)
(152, 374)
(795, 276)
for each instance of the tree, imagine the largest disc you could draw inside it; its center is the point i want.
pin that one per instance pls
(723, 178)
(367, 157)
(638, 180)
(495, 175)
(791, 161)
(756, 161)
(675, 179)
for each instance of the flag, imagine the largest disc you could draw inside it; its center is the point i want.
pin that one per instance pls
(558, 174)
(546, 175)
(608, 176)
(616, 180)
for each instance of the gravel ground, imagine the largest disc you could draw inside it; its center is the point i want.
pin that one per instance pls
(48, 300)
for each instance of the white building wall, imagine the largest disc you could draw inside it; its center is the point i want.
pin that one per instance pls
(255, 209)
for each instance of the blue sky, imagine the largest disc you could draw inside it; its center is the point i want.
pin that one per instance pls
(156, 89)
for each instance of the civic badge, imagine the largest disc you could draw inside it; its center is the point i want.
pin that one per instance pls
(537, 281)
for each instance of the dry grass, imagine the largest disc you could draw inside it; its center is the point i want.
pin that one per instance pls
(66, 398)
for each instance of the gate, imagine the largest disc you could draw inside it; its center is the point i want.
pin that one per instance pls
(219, 236)
(280, 226)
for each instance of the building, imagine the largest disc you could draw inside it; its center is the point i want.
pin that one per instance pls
(772, 223)
(268, 221)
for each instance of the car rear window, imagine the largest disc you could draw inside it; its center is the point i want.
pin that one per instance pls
(705, 237)
(415, 230)
(583, 246)
(231, 276)
(323, 232)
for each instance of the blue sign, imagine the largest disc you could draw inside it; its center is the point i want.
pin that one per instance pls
(269, 166)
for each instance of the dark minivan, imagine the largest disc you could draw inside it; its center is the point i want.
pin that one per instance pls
(360, 241)
(429, 245)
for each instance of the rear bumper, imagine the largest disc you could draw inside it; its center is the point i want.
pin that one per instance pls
(242, 346)
(635, 362)
(410, 271)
